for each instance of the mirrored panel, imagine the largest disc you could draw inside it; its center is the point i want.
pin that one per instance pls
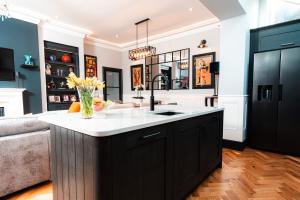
(176, 55)
(169, 57)
(148, 61)
(184, 54)
(161, 58)
(175, 66)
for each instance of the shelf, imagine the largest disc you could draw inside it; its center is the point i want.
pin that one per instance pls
(29, 66)
(60, 63)
(59, 50)
(58, 77)
(61, 90)
(69, 102)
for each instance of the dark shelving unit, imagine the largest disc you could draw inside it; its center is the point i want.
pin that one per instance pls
(56, 83)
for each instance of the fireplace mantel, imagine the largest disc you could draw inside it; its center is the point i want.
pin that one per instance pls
(12, 101)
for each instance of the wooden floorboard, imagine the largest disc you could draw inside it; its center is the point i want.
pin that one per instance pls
(250, 174)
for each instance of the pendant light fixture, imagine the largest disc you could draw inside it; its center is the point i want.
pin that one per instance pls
(141, 52)
(4, 12)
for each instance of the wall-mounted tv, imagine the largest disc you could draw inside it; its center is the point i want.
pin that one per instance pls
(7, 65)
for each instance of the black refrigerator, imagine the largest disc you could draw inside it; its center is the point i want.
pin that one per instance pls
(275, 101)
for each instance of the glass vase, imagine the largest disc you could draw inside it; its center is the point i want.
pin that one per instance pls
(86, 96)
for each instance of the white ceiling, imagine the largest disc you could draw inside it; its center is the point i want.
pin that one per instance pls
(108, 18)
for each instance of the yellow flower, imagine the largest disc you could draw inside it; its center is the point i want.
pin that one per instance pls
(73, 81)
(71, 84)
(100, 85)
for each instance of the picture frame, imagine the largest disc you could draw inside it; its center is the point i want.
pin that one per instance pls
(57, 99)
(66, 98)
(73, 98)
(137, 75)
(202, 78)
(51, 99)
(90, 66)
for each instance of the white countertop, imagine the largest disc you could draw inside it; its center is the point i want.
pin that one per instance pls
(122, 120)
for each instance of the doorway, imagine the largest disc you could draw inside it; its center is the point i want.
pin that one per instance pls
(113, 84)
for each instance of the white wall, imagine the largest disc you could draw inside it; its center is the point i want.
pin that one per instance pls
(234, 59)
(188, 40)
(105, 57)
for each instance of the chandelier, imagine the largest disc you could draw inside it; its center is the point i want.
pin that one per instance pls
(141, 52)
(4, 12)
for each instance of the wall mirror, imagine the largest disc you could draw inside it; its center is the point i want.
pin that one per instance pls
(173, 64)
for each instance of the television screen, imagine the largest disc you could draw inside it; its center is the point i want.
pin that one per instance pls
(7, 65)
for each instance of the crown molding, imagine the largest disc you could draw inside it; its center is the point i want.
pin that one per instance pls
(213, 23)
(177, 33)
(60, 29)
(25, 18)
(55, 25)
(47, 22)
(102, 43)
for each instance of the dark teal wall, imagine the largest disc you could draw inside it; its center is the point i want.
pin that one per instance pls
(23, 38)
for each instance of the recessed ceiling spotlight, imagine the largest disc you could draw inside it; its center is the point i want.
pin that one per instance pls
(190, 9)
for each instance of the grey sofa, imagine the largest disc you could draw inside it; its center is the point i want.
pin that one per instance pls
(24, 153)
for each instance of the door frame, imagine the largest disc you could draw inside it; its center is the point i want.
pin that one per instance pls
(111, 69)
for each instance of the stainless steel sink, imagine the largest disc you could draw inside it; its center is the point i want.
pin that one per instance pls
(168, 113)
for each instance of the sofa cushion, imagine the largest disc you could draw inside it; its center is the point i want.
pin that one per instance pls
(24, 161)
(26, 124)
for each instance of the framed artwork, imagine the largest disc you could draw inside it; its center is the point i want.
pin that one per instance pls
(137, 75)
(66, 98)
(51, 98)
(202, 78)
(57, 99)
(90, 66)
(73, 98)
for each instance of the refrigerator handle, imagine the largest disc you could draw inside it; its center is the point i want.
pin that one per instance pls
(280, 87)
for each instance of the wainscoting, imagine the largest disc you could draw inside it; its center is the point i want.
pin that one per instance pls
(235, 117)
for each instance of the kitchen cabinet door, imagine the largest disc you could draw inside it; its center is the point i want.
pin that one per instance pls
(263, 120)
(141, 165)
(197, 151)
(211, 144)
(186, 157)
(289, 102)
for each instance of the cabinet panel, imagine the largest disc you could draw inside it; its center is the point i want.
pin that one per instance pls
(187, 159)
(140, 165)
(197, 151)
(289, 104)
(278, 41)
(264, 100)
(211, 145)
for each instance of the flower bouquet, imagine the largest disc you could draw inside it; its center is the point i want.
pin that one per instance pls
(86, 88)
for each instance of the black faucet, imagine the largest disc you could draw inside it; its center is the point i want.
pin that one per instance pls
(152, 89)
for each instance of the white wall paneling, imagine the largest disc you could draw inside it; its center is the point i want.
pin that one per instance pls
(12, 101)
(235, 116)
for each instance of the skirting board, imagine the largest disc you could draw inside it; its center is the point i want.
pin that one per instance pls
(240, 146)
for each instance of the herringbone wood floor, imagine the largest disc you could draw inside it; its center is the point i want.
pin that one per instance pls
(250, 174)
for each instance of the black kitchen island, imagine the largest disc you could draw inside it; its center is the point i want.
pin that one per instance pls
(156, 158)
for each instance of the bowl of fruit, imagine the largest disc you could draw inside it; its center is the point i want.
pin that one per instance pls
(101, 106)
